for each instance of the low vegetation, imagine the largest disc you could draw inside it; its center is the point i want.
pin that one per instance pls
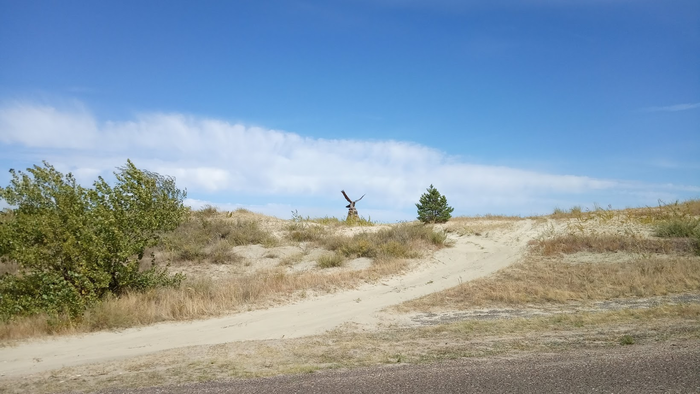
(209, 237)
(607, 243)
(342, 348)
(583, 263)
(583, 257)
(551, 280)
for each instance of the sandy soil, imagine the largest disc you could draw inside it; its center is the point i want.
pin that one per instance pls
(472, 256)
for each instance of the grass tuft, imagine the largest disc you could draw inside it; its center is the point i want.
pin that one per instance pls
(330, 260)
(209, 236)
(551, 281)
(678, 227)
(400, 241)
(602, 243)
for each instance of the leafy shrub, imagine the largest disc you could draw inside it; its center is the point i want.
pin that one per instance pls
(433, 208)
(74, 245)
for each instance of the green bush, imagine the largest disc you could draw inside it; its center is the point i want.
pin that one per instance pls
(74, 245)
(433, 208)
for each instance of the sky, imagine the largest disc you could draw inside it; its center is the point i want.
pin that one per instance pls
(506, 107)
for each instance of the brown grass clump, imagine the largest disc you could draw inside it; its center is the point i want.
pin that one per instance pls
(466, 226)
(400, 241)
(330, 260)
(199, 298)
(480, 218)
(209, 235)
(646, 215)
(550, 280)
(573, 243)
(306, 233)
(590, 262)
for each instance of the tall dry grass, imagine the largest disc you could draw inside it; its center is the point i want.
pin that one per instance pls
(406, 240)
(604, 243)
(200, 298)
(208, 235)
(647, 215)
(628, 264)
(553, 281)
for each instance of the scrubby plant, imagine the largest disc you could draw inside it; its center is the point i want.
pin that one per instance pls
(330, 260)
(209, 235)
(74, 244)
(400, 241)
(433, 208)
(678, 227)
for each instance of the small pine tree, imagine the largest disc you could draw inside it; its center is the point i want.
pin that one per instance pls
(433, 207)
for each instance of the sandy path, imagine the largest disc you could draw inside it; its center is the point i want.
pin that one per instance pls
(470, 258)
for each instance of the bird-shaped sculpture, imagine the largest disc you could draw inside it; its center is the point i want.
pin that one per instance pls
(352, 212)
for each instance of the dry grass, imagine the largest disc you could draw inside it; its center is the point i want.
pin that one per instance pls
(602, 254)
(471, 226)
(352, 222)
(292, 259)
(330, 260)
(350, 349)
(646, 215)
(398, 241)
(605, 243)
(200, 298)
(551, 280)
(208, 235)
(306, 232)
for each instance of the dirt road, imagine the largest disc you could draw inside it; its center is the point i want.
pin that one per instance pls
(470, 258)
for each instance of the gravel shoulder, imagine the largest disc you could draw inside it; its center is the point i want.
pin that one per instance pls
(654, 368)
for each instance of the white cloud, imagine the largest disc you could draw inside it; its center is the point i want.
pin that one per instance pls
(674, 108)
(44, 126)
(218, 160)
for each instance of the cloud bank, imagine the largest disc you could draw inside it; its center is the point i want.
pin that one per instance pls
(221, 161)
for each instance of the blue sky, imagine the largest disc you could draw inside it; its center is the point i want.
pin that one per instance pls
(513, 107)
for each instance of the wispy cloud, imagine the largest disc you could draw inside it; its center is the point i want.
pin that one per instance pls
(219, 160)
(673, 108)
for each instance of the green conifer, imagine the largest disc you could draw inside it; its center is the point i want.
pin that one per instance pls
(433, 207)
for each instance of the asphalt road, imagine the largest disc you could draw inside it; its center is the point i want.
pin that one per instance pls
(665, 368)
